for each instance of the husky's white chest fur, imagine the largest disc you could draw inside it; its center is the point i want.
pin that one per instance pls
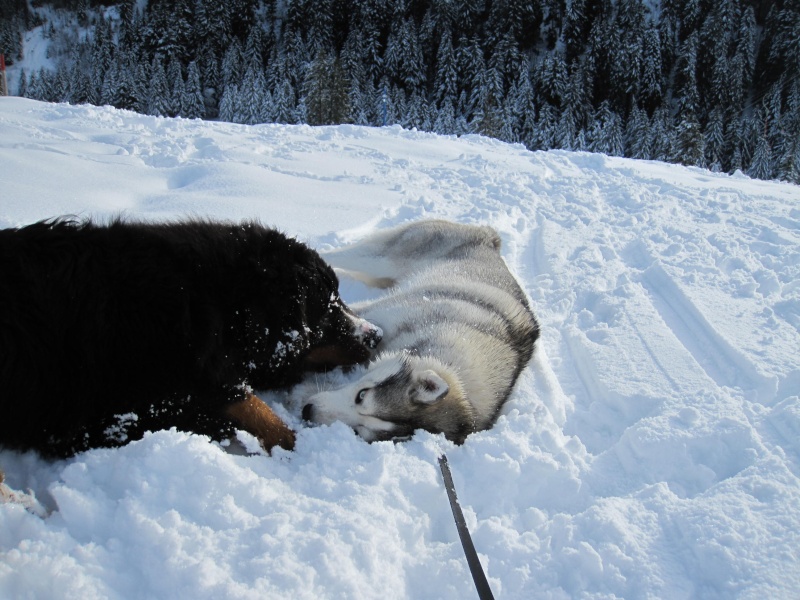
(458, 330)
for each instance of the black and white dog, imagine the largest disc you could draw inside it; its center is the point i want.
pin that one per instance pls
(458, 330)
(107, 331)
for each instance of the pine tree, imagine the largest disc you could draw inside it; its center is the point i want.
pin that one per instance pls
(61, 84)
(79, 88)
(192, 106)
(320, 26)
(22, 91)
(126, 94)
(369, 21)
(627, 40)
(578, 96)
(507, 60)
(175, 82)
(746, 43)
(326, 92)
(110, 84)
(690, 148)
(253, 54)
(297, 58)
(637, 135)
(783, 38)
(528, 129)
(228, 105)
(212, 25)
(650, 92)
(790, 166)
(471, 75)
(355, 72)
(101, 54)
(545, 129)
(777, 135)
(715, 140)
(575, 29)
(267, 113)
(169, 30)
(140, 80)
(489, 120)
(552, 79)
(521, 96)
(445, 122)
(251, 97)
(34, 88)
(686, 78)
(232, 72)
(510, 123)
(662, 135)
(284, 101)
(551, 17)
(606, 136)
(761, 167)
(211, 82)
(403, 59)
(446, 80)
(358, 105)
(566, 131)
(158, 91)
(734, 142)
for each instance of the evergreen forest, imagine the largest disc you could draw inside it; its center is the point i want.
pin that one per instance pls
(710, 83)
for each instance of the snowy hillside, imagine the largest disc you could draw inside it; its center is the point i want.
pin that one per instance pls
(652, 449)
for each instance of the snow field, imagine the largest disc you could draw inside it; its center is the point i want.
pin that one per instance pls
(650, 450)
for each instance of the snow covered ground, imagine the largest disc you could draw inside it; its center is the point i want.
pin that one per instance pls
(652, 449)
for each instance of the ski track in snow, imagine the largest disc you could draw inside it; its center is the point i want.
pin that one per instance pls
(652, 448)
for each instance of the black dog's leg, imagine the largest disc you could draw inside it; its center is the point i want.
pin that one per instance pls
(217, 414)
(252, 415)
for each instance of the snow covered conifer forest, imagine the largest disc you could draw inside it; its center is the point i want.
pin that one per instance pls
(710, 83)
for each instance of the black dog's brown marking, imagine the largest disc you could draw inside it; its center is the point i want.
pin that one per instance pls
(107, 331)
(252, 415)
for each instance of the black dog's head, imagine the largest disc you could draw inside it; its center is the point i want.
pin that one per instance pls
(300, 291)
(337, 336)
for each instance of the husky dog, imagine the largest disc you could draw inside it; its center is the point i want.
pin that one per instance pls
(458, 330)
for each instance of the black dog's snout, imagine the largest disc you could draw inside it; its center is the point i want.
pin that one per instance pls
(373, 337)
(308, 412)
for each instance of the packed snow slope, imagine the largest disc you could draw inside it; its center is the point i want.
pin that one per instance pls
(651, 450)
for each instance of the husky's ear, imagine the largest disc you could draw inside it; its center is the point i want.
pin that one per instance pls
(429, 388)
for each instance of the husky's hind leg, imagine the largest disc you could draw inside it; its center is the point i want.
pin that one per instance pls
(365, 261)
(388, 257)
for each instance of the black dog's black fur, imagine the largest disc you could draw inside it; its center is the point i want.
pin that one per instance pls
(107, 331)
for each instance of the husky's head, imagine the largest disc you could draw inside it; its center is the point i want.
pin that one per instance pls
(398, 394)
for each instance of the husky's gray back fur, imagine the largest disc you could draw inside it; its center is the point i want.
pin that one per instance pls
(458, 330)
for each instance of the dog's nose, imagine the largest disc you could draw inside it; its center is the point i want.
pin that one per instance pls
(371, 334)
(308, 412)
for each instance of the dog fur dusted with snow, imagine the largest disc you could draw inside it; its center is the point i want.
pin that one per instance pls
(107, 331)
(458, 330)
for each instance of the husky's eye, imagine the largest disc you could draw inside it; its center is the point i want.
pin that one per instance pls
(361, 395)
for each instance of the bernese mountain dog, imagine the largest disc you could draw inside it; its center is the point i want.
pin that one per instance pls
(111, 330)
